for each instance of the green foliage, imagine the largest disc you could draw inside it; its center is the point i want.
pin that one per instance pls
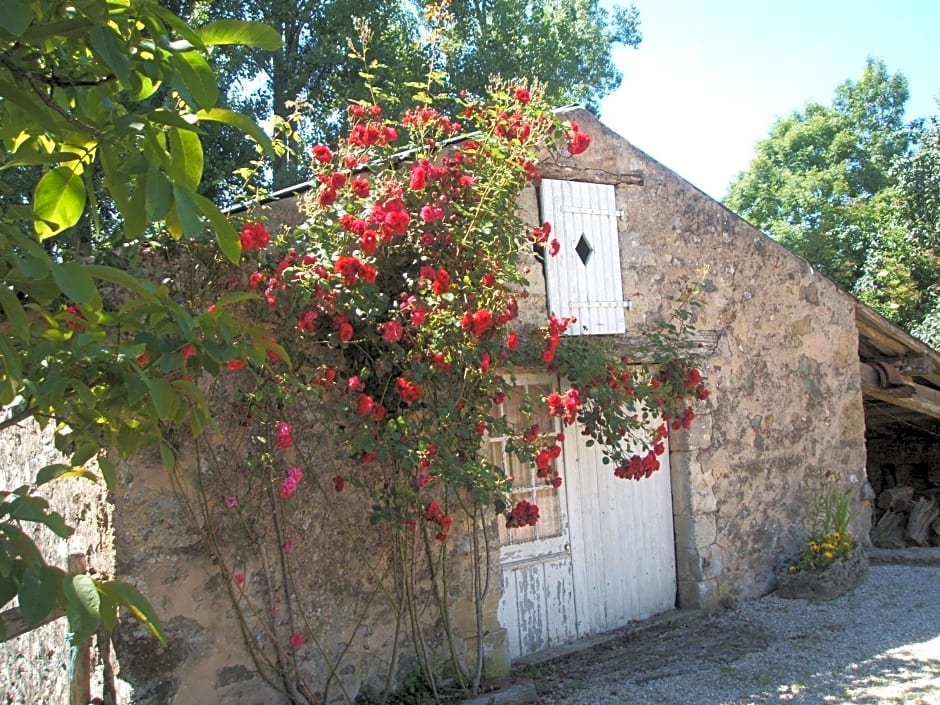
(813, 181)
(918, 201)
(104, 357)
(564, 43)
(853, 189)
(831, 512)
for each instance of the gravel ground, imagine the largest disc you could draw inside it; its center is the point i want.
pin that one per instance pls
(879, 644)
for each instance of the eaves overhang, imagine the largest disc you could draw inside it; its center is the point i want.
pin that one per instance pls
(900, 375)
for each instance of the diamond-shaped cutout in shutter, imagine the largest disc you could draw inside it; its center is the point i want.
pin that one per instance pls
(584, 249)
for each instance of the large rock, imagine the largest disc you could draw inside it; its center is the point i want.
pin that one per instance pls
(827, 584)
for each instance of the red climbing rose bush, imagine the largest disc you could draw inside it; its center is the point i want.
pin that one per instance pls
(395, 305)
(387, 327)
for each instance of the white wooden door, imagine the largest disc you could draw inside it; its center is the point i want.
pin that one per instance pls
(601, 555)
(537, 607)
(622, 540)
(584, 279)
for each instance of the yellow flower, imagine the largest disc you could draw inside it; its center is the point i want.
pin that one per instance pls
(828, 555)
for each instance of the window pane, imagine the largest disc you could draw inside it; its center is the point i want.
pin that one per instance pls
(525, 484)
(549, 512)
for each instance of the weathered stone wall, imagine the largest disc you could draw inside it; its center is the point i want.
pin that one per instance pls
(34, 666)
(786, 408)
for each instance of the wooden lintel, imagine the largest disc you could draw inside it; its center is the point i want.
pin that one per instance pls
(700, 342)
(560, 171)
(924, 400)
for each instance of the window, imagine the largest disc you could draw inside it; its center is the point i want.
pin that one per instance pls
(525, 484)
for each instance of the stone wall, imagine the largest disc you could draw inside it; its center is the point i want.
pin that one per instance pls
(34, 666)
(785, 411)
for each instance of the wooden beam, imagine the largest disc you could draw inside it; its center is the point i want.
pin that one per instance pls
(888, 338)
(891, 339)
(924, 401)
(14, 625)
(699, 342)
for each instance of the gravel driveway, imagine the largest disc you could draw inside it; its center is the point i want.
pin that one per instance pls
(879, 644)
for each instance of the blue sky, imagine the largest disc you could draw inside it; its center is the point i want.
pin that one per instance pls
(710, 78)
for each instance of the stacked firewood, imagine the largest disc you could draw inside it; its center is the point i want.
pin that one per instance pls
(906, 519)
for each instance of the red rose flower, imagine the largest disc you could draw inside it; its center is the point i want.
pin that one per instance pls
(283, 438)
(322, 153)
(254, 236)
(391, 331)
(578, 142)
(364, 405)
(360, 187)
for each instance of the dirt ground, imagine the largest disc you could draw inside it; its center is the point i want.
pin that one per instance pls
(636, 657)
(877, 645)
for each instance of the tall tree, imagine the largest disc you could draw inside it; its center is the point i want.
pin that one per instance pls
(918, 217)
(566, 43)
(854, 189)
(814, 181)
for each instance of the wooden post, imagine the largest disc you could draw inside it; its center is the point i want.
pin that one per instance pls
(80, 687)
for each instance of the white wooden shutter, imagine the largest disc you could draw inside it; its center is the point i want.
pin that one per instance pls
(584, 278)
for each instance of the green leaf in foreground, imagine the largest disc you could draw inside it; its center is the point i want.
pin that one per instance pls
(59, 201)
(129, 597)
(82, 607)
(37, 593)
(252, 34)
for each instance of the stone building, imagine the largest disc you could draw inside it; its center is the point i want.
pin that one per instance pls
(781, 346)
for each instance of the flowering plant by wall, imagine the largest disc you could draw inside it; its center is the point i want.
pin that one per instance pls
(829, 537)
(395, 304)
